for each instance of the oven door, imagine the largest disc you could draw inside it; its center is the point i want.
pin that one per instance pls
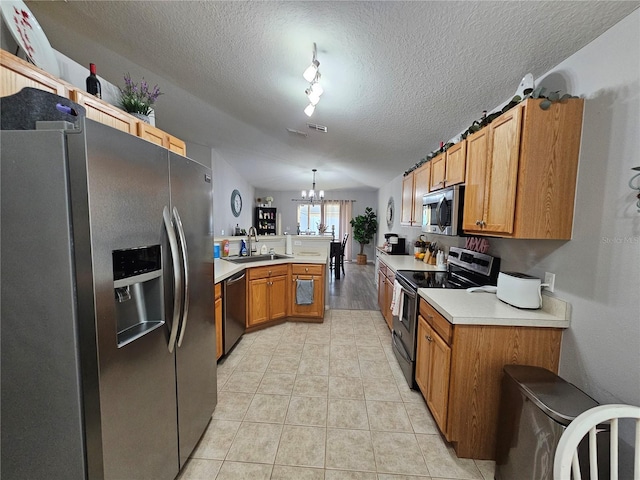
(403, 335)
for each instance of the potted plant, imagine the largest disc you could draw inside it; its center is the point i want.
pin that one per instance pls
(365, 227)
(137, 99)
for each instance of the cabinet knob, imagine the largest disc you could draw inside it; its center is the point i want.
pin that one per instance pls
(478, 223)
(269, 272)
(429, 339)
(306, 269)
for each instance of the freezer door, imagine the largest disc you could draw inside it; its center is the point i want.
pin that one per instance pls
(42, 430)
(191, 200)
(119, 188)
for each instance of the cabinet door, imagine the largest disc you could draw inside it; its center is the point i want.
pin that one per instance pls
(277, 297)
(388, 296)
(456, 160)
(105, 113)
(176, 145)
(422, 356)
(15, 74)
(421, 178)
(382, 280)
(474, 189)
(407, 200)
(438, 172)
(316, 309)
(500, 186)
(152, 134)
(438, 378)
(258, 301)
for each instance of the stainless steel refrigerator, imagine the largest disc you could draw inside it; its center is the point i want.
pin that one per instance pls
(108, 345)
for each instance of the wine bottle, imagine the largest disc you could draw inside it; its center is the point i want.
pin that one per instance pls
(93, 84)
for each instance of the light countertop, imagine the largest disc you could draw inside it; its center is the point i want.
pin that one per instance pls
(404, 262)
(223, 269)
(481, 308)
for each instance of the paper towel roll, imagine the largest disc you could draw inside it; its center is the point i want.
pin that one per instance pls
(288, 250)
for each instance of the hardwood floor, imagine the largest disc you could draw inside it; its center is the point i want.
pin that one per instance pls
(356, 289)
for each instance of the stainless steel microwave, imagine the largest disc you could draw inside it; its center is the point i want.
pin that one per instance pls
(442, 211)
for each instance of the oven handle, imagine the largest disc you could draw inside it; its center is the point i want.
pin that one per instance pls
(399, 347)
(406, 288)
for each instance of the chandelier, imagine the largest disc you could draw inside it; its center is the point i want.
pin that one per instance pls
(312, 75)
(312, 194)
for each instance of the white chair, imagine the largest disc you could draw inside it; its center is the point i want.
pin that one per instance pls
(566, 457)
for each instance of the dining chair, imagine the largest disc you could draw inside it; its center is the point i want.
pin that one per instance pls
(342, 247)
(566, 461)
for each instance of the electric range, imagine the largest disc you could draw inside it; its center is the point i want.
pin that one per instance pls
(466, 269)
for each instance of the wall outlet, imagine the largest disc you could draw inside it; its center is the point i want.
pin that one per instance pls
(297, 243)
(550, 279)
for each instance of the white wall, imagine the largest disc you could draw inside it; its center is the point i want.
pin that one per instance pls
(288, 209)
(598, 271)
(225, 180)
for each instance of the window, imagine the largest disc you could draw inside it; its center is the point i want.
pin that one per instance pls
(310, 216)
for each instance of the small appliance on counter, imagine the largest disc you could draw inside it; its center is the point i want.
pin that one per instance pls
(394, 245)
(520, 290)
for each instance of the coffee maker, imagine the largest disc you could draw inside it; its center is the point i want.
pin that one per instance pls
(394, 245)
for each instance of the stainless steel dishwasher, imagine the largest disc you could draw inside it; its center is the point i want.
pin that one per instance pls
(235, 310)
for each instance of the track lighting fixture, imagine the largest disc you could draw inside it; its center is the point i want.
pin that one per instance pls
(312, 75)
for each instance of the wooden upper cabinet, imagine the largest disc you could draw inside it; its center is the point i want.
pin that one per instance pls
(16, 74)
(477, 152)
(407, 200)
(176, 145)
(414, 186)
(152, 134)
(162, 138)
(455, 164)
(421, 178)
(104, 112)
(529, 168)
(500, 190)
(438, 172)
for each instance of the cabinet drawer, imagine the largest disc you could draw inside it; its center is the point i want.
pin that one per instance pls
(218, 290)
(306, 269)
(390, 275)
(382, 268)
(440, 324)
(268, 271)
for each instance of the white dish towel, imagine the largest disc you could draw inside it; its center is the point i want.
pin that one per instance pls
(397, 300)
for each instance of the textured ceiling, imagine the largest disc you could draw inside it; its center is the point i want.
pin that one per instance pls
(398, 76)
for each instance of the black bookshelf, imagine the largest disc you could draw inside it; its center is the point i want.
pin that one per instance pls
(265, 220)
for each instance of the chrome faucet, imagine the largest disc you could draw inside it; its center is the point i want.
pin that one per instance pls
(250, 246)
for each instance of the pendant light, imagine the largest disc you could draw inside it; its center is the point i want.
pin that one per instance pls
(312, 194)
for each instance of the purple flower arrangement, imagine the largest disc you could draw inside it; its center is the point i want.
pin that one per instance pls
(136, 98)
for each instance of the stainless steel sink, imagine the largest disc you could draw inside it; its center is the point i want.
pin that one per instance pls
(256, 258)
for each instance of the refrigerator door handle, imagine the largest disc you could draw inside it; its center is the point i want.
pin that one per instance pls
(185, 265)
(177, 277)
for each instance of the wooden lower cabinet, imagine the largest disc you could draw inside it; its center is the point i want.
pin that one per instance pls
(307, 272)
(267, 294)
(386, 278)
(435, 371)
(459, 371)
(218, 319)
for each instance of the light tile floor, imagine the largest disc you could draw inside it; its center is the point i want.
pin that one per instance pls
(322, 401)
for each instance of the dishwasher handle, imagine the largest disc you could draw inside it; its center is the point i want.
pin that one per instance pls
(236, 278)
